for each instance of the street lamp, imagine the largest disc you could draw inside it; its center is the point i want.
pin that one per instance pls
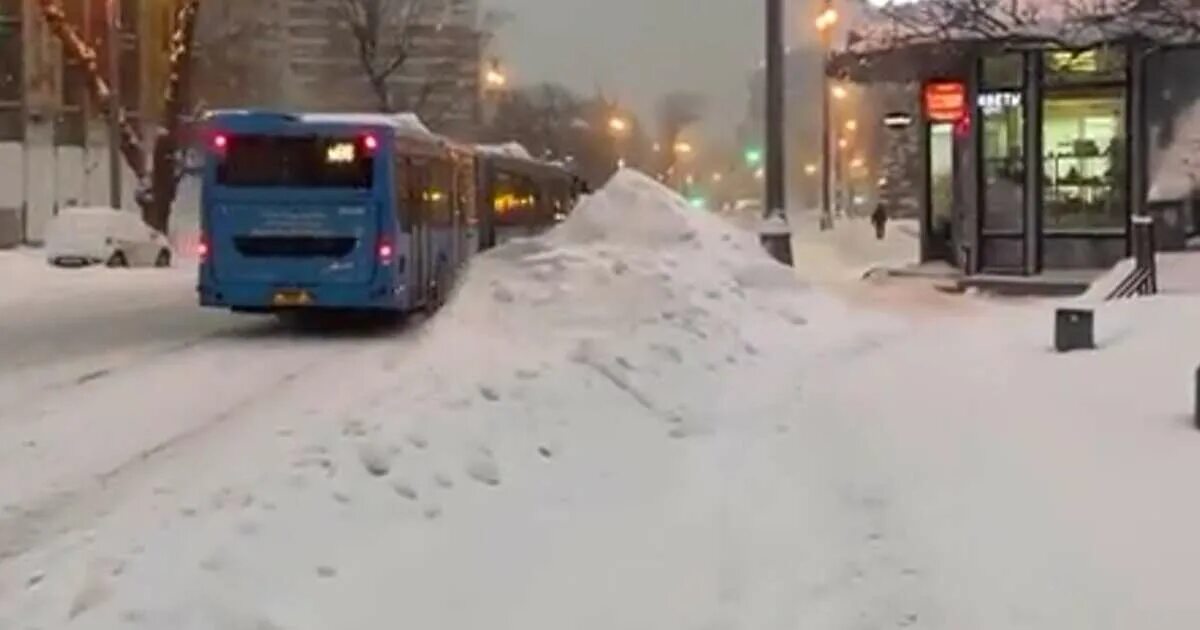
(494, 78)
(683, 148)
(618, 125)
(851, 125)
(810, 169)
(775, 235)
(839, 92)
(827, 19)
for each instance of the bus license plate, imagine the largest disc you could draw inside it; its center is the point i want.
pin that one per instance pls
(292, 298)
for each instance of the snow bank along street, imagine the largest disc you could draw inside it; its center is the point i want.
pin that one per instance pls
(635, 421)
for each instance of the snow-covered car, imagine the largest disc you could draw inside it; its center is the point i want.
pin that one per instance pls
(88, 236)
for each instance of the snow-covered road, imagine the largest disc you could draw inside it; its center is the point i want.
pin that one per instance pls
(636, 421)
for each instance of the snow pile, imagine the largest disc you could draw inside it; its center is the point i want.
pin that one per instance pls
(1176, 170)
(590, 435)
(1178, 274)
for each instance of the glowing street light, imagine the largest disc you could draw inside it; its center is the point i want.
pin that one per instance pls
(843, 143)
(683, 148)
(826, 19)
(495, 79)
(839, 92)
(616, 124)
(852, 125)
(858, 162)
(810, 169)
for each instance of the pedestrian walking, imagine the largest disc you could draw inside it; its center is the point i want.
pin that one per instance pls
(879, 219)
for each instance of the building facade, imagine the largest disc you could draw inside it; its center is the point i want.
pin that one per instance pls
(53, 146)
(309, 57)
(1051, 150)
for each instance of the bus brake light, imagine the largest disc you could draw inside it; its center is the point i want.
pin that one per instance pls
(202, 249)
(220, 142)
(370, 142)
(385, 252)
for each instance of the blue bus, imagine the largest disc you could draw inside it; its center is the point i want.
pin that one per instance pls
(332, 212)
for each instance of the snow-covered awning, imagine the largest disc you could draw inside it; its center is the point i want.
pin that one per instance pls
(923, 32)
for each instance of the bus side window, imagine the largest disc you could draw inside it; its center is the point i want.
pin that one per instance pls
(402, 201)
(441, 191)
(418, 191)
(464, 190)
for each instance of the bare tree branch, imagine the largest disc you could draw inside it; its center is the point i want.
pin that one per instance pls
(163, 185)
(84, 54)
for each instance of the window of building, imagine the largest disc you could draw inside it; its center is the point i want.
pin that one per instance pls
(1003, 72)
(12, 75)
(1092, 65)
(1003, 164)
(1084, 158)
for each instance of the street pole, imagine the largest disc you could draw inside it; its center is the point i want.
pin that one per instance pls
(114, 82)
(826, 136)
(775, 235)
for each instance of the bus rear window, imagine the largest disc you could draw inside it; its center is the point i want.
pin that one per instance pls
(296, 161)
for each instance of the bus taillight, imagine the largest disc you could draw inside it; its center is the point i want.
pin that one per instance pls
(370, 143)
(386, 251)
(220, 143)
(202, 249)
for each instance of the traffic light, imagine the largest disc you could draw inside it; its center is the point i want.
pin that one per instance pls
(753, 156)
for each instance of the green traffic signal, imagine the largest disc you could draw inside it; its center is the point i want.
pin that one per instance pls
(753, 156)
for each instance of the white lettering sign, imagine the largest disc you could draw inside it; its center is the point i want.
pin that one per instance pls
(996, 102)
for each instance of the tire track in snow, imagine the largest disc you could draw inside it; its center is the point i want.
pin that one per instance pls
(49, 514)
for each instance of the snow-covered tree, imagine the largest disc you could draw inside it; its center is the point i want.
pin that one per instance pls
(1066, 23)
(158, 176)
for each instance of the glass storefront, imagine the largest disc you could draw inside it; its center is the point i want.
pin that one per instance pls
(1003, 160)
(1083, 159)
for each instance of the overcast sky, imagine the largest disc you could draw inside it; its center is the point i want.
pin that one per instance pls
(637, 50)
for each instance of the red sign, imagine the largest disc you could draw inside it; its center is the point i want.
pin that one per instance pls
(945, 101)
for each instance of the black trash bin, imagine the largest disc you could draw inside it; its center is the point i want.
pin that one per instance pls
(1074, 329)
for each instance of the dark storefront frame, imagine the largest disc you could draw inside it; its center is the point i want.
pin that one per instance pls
(1023, 247)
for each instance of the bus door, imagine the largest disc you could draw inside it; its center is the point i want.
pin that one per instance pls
(467, 228)
(417, 179)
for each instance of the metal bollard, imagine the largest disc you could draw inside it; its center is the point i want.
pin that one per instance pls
(1196, 411)
(1073, 329)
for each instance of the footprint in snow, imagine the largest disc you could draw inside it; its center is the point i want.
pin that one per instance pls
(667, 351)
(483, 468)
(405, 490)
(619, 267)
(488, 393)
(503, 295)
(527, 375)
(376, 459)
(443, 480)
(326, 571)
(418, 441)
